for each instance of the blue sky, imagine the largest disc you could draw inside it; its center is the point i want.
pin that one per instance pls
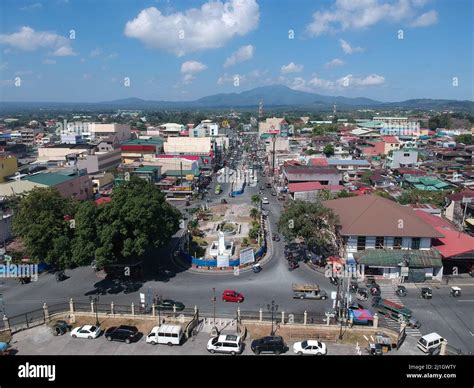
(183, 50)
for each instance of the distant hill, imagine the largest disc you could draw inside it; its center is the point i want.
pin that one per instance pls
(271, 96)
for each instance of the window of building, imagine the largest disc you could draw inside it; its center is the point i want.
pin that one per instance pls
(415, 243)
(379, 242)
(397, 243)
(360, 243)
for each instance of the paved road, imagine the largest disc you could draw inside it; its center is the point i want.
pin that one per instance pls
(451, 318)
(273, 283)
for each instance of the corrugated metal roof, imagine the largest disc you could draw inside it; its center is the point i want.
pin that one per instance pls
(392, 257)
(50, 178)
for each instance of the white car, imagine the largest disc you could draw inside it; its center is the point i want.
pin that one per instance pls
(310, 347)
(86, 331)
(265, 201)
(225, 343)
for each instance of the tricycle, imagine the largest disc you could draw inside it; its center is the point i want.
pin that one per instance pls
(456, 292)
(362, 294)
(426, 293)
(401, 291)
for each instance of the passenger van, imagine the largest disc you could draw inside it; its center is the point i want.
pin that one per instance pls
(166, 334)
(429, 342)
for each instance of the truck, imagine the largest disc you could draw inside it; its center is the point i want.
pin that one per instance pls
(308, 291)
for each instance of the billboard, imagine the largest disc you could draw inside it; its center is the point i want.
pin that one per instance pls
(222, 261)
(247, 256)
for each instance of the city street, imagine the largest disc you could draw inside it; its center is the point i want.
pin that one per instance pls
(451, 318)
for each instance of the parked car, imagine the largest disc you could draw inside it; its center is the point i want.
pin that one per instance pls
(122, 333)
(86, 331)
(265, 201)
(232, 296)
(225, 343)
(166, 334)
(310, 347)
(60, 327)
(270, 344)
(167, 304)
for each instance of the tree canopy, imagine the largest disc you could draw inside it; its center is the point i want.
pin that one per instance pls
(138, 218)
(313, 222)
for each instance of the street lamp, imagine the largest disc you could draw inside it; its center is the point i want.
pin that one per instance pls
(95, 299)
(273, 308)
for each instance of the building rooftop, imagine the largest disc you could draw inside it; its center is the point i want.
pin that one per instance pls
(152, 141)
(50, 178)
(392, 257)
(344, 162)
(372, 215)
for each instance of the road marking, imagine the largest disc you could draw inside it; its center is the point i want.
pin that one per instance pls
(466, 300)
(471, 333)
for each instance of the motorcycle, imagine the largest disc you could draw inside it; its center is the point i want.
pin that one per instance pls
(60, 276)
(334, 281)
(292, 265)
(401, 291)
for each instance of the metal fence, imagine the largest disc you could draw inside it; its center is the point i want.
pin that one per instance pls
(27, 320)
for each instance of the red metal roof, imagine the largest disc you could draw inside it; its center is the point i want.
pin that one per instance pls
(390, 139)
(434, 220)
(321, 162)
(454, 242)
(304, 186)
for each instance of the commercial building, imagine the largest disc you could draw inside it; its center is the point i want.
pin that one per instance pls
(189, 146)
(323, 175)
(388, 238)
(274, 125)
(141, 148)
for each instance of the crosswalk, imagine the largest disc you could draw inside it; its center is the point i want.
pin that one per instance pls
(387, 291)
(394, 325)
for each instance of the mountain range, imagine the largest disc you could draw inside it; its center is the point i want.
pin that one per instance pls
(273, 96)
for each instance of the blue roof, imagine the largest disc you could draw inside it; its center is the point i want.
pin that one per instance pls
(344, 162)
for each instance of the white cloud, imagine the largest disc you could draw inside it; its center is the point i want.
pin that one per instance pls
(425, 20)
(96, 52)
(27, 39)
(192, 67)
(335, 62)
(189, 68)
(315, 84)
(31, 7)
(355, 15)
(254, 76)
(244, 53)
(348, 49)
(64, 51)
(49, 61)
(211, 26)
(291, 68)
(370, 80)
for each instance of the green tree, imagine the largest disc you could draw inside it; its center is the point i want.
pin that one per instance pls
(365, 177)
(255, 199)
(345, 194)
(254, 213)
(328, 150)
(313, 222)
(138, 218)
(40, 223)
(465, 139)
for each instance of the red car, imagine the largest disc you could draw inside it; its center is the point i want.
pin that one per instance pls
(232, 296)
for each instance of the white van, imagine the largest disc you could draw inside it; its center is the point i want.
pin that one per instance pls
(429, 342)
(165, 334)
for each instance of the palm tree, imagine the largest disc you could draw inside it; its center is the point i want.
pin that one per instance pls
(254, 213)
(256, 199)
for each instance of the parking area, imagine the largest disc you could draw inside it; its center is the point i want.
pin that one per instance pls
(41, 341)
